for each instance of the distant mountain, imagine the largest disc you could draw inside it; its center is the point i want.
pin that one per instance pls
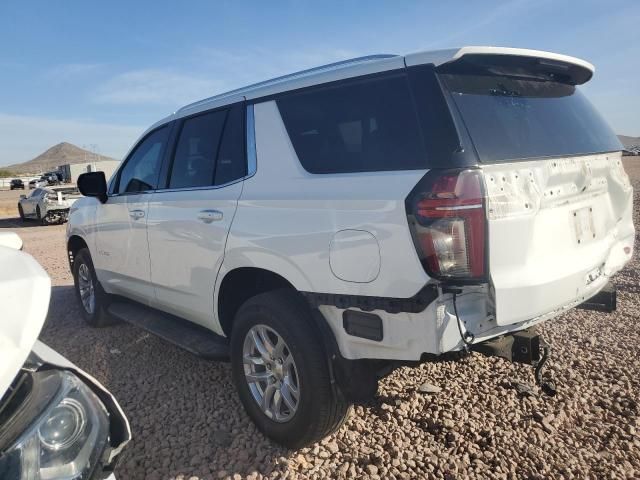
(59, 154)
(629, 141)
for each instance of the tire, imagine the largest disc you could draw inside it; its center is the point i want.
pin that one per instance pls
(41, 219)
(21, 212)
(96, 316)
(321, 408)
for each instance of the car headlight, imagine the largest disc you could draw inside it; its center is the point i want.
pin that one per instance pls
(67, 435)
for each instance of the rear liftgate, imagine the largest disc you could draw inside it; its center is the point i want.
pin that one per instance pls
(446, 212)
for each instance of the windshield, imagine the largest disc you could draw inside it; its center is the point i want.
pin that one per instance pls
(510, 118)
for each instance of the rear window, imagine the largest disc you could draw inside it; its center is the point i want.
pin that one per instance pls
(511, 118)
(362, 126)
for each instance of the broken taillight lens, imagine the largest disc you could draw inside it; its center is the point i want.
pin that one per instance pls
(448, 221)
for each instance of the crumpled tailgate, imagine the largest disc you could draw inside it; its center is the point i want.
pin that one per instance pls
(558, 229)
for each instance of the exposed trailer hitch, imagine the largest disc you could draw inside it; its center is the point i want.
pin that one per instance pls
(525, 347)
(547, 386)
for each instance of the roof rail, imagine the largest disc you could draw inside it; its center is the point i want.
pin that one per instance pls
(290, 76)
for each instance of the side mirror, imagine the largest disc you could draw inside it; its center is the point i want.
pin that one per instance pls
(93, 184)
(22, 197)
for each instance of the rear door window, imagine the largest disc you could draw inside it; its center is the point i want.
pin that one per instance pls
(361, 126)
(194, 161)
(231, 164)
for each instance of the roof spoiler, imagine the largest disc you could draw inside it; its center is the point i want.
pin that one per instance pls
(501, 60)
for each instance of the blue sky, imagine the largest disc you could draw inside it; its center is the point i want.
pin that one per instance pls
(100, 72)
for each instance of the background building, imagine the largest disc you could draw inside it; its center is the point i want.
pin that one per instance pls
(70, 172)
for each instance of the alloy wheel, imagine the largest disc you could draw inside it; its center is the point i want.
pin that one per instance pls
(271, 373)
(86, 288)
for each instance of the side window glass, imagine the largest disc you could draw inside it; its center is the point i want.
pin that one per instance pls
(231, 163)
(140, 173)
(194, 161)
(365, 125)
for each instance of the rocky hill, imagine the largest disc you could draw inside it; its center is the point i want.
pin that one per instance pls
(629, 141)
(59, 154)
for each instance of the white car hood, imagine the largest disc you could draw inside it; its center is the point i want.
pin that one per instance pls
(11, 240)
(25, 289)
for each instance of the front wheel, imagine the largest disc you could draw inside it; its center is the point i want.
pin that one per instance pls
(281, 371)
(93, 300)
(21, 212)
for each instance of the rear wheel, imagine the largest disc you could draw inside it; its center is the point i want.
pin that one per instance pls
(92, 298)
(21, 212)
(41, 219)
(281, 371)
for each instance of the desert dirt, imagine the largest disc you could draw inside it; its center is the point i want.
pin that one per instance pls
(188, 422)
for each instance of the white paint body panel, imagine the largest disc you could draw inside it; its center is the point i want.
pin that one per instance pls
(289, 230)
(538, 262)
(25, 289)
(354, 256)
(121, 255)
(440, 57)
(186, 252)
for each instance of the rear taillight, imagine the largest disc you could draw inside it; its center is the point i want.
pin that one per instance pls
(446, 212)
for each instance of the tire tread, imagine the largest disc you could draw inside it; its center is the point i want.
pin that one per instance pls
(333, 408)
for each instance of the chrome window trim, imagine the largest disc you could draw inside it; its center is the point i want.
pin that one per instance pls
(252, 164)
(205, 187)
(252, 156)
(184, 189)
(127, 194)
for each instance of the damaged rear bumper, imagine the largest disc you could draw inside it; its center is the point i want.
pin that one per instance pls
(409, 335)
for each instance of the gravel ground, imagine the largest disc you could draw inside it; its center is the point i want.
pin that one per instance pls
(188, 422)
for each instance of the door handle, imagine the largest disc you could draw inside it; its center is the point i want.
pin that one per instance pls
(136, 214)
(208, 216)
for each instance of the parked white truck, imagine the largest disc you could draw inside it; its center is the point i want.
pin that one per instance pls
(337, 222)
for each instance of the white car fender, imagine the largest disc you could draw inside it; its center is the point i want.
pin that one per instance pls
(25, 289)
(11, 240)
(82, 220)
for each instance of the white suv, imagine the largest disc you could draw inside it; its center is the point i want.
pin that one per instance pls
(323, 227)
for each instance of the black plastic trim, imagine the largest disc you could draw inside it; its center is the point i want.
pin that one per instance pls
(416, 304)
(363, 325)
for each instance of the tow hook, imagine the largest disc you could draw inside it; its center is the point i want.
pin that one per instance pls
(548, 386)
(527, 347)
